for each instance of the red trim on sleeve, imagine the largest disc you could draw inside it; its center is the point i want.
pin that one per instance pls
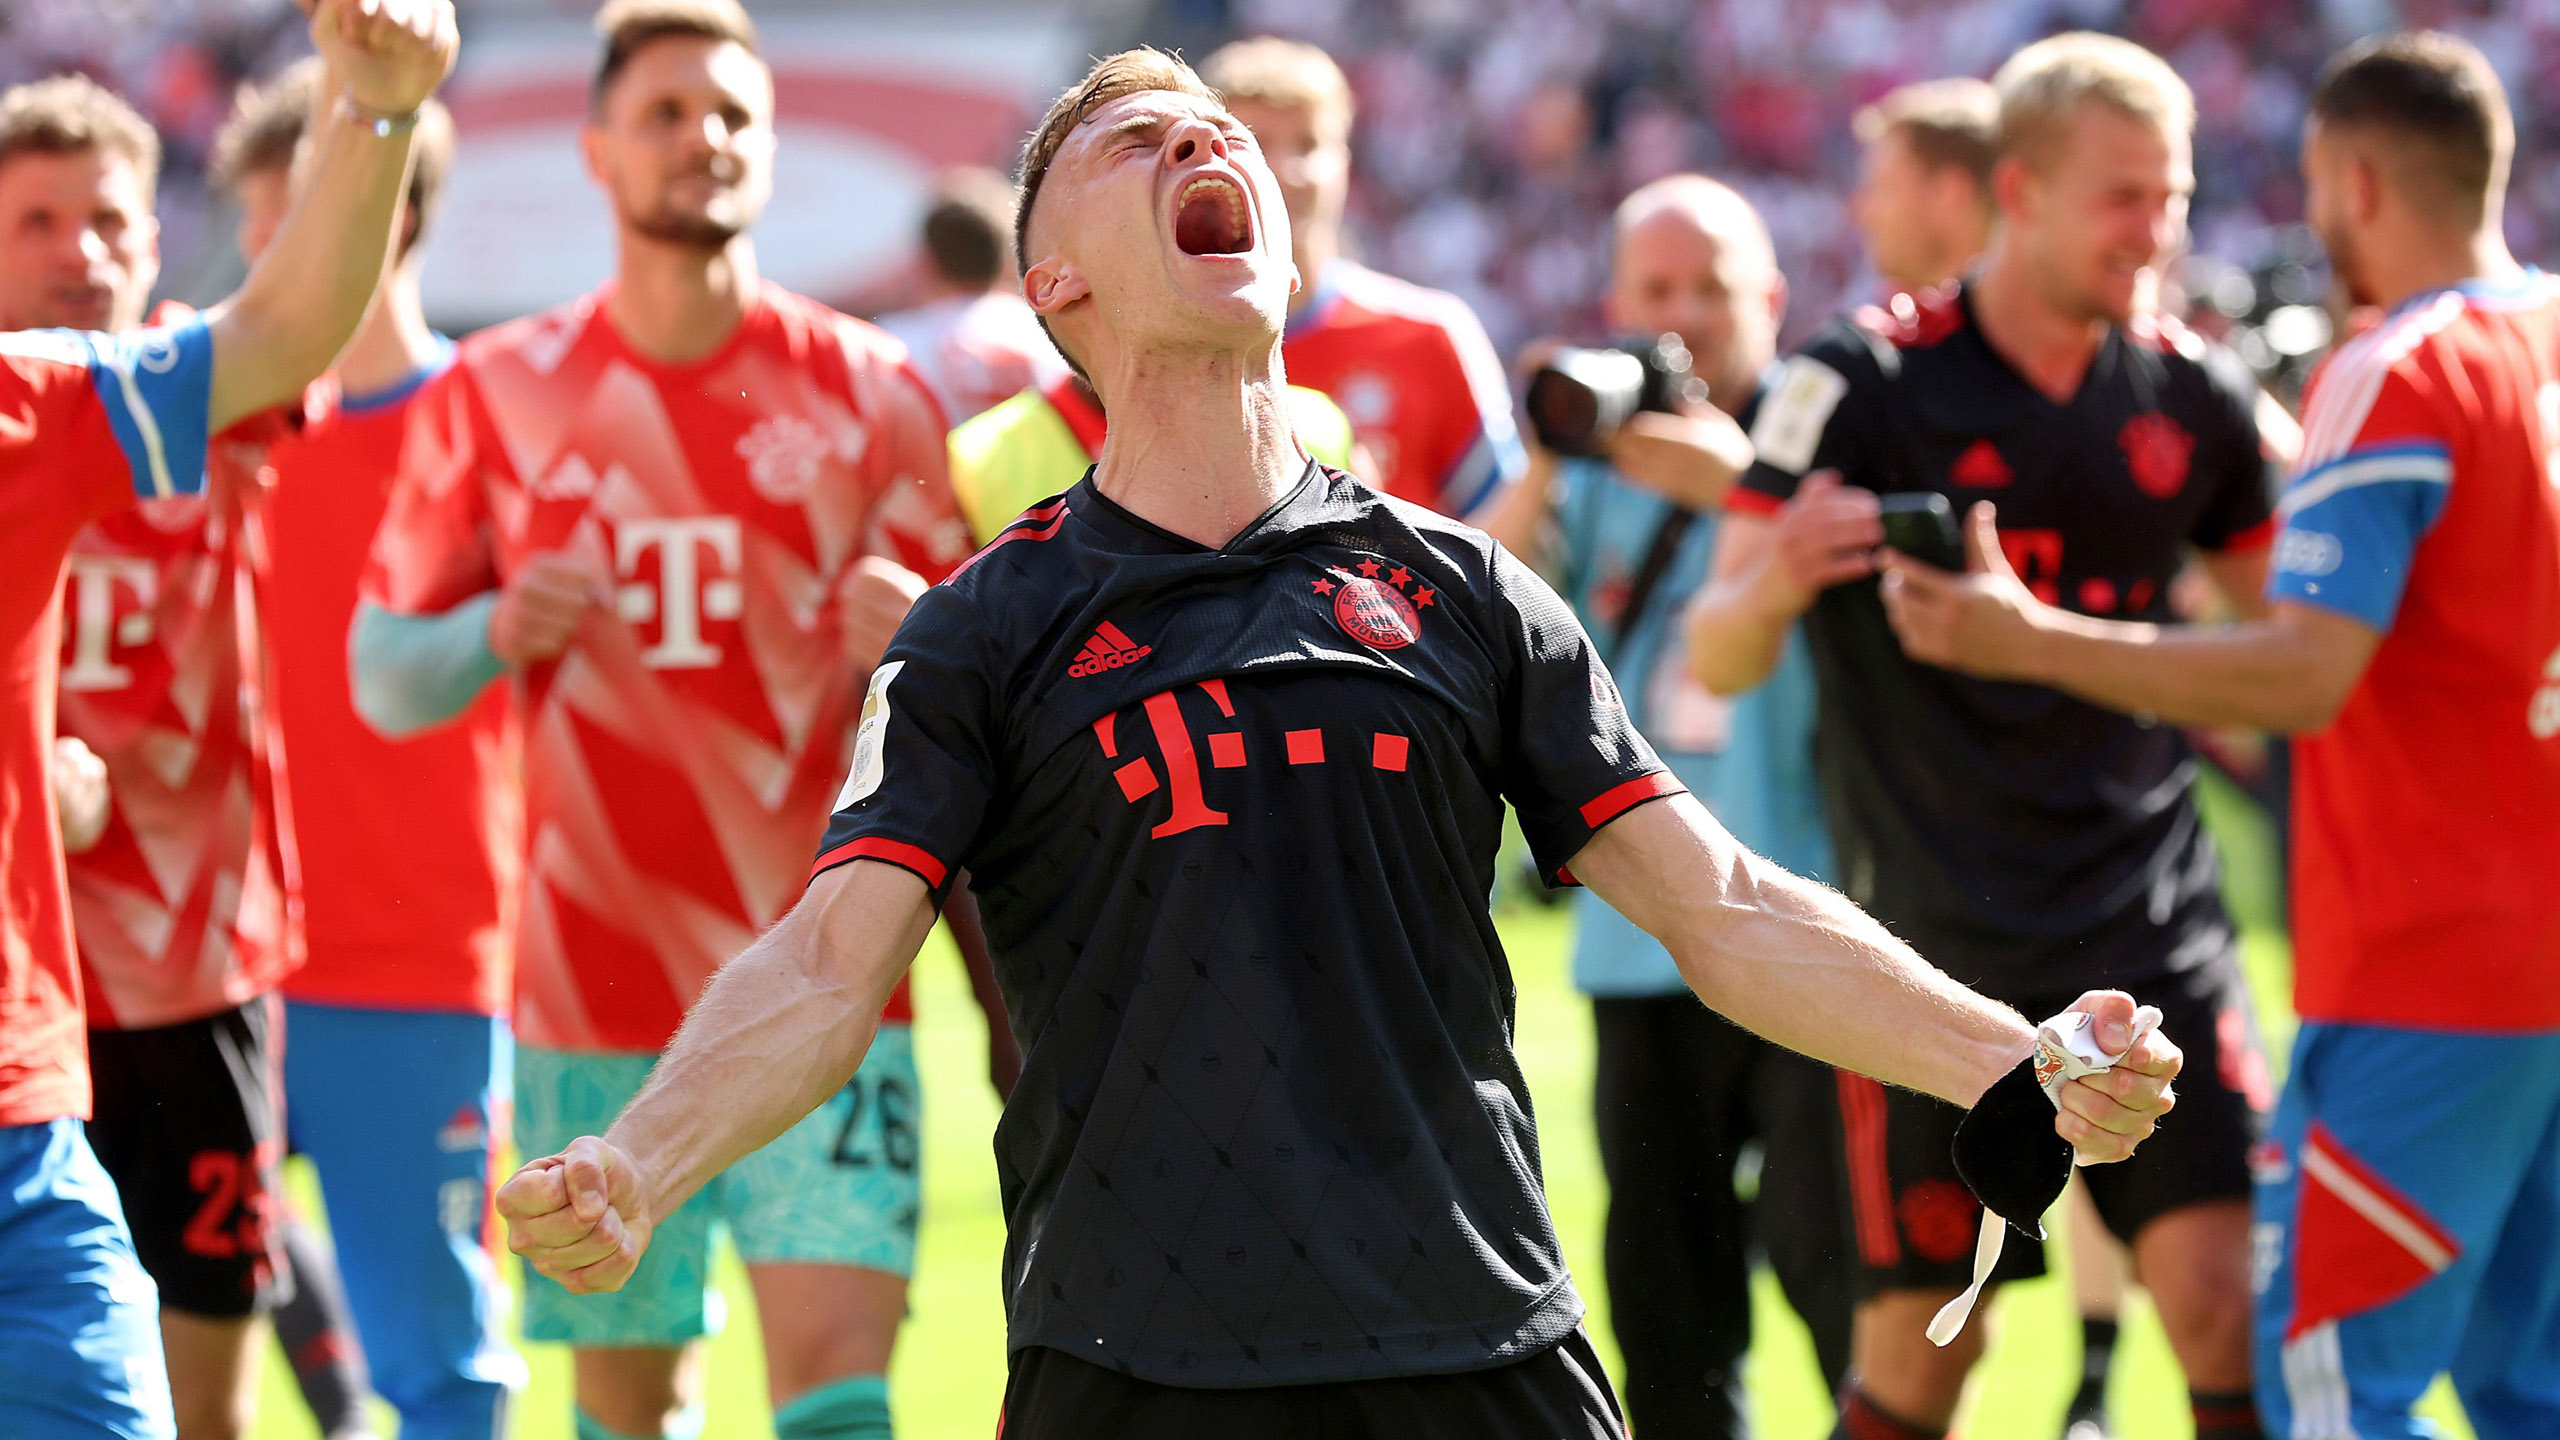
(2256, 537)
(1617, 800)
(1752, 502)
(1037, 524)
(894, 852)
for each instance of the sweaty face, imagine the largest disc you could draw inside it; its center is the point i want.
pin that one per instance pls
(265, 196)
(1889, 207)
(683, 143)
(1672, 274)
(78, 245)
(1309, 152)
(2110, 205)
(1159, 226)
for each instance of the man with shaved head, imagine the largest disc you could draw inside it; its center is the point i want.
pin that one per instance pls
(1680, 1090)
(1225, 737)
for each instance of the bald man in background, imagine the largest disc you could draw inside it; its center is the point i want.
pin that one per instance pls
(1681, 1091)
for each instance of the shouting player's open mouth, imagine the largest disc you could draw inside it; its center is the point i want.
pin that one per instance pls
(1210, 217)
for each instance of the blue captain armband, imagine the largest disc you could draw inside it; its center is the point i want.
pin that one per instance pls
(2352, 527)
(157, 387)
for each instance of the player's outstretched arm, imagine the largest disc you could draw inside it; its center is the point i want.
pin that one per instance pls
(778, 1030)
(1796, 962)
(2289, 671)
(308, 292)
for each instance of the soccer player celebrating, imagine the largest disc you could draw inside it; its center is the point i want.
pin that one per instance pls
(181, 885)
(686, 512)
(1410, 366)
(409, 856)
(2407, 1211)
(98, 420)
(2030, 842)
(1679, 1091)
(1271, 1168)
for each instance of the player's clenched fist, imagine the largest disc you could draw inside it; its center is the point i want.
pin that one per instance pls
(2106, 1115)
(872, 601)
(540, 609)
(388, 54)
(579, 1216)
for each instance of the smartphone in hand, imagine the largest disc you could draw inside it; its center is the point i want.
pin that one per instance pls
(1922, 525)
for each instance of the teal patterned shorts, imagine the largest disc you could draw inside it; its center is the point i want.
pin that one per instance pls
(839, 1188)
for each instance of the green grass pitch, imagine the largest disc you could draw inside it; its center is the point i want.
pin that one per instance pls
(949, 1374)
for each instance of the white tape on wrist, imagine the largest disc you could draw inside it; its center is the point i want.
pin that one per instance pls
(2066, 1050)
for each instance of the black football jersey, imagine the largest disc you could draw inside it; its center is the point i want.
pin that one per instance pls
(2027, 842)
(1231, 816)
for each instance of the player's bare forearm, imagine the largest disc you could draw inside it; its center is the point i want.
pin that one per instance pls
(308, 292)
(1738, 624)
(2289, 672)
(778, 1030)
(1795, 961)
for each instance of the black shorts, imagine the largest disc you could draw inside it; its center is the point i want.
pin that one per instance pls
(1913, 1221)
(1559, 1393)
(189, 1122)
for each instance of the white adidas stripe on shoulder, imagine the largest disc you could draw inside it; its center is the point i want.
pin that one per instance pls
(2355, 378)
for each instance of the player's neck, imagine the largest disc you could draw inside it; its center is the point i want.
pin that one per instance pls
(677, 303)
(394, 342)
(2397, 271)
(1200, 446)
(2049, 347)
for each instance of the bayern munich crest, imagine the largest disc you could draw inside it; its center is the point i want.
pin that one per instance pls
(1376, 601)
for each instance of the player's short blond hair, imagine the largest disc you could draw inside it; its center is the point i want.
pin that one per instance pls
(71, 114)
(1950, 124)
(2043, 88)
(1272, 71)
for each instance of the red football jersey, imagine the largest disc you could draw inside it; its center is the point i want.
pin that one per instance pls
(186, 905)
(1423, 388)
(2427, 815)
(411, 849)
(85, 422)
(682, 756)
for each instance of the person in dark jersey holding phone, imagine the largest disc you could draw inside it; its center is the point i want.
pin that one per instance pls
(2032, 843)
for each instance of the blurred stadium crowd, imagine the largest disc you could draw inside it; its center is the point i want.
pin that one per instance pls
(1494, 135)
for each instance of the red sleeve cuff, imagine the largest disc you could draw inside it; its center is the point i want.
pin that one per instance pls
(894, 852)
(1752, 502)
(1617, 800)
(2256, 537)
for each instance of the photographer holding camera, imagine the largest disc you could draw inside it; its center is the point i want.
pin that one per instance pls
(1631, 452)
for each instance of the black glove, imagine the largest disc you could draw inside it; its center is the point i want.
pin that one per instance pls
(2008, 1153)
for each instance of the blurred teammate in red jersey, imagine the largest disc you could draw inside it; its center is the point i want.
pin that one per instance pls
(1412, 367)
(410, 851)
(183, 889)
(96, 420)
(2410, 1195)
(973, 340)
(685, 513)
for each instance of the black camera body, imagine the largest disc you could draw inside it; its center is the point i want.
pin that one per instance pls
(1579, 398)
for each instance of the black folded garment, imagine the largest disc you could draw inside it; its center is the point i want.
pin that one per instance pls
(2008, 1153)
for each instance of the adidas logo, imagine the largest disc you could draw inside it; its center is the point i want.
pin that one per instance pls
(1109, 649)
